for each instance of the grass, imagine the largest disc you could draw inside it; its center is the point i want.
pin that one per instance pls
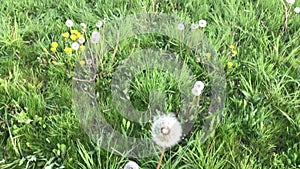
(259, 128)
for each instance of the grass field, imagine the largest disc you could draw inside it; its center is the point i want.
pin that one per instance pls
(260, 125)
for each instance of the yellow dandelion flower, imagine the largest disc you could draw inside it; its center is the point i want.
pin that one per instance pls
(74, 31)
(68, 50)
(231, 46)
(73, 37)
(81, 47)
(82, 62)
(66, 34)
(53, 49)
(79, 35)
(229, 64)
(234, 52)
(54, 44)
(208, 55)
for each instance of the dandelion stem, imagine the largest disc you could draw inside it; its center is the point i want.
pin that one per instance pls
(161, 157)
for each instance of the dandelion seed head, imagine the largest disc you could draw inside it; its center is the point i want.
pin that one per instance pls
(195, 91)
(75, 46)
(202, 23)
(194, 26)
(166, 130)
(180, 27)
(297, 10)
(99, 24)
(81, 40)
(83, 25)
(199, 85)
(131, 165)
(95, 37)
(69, 23)
(291, 2)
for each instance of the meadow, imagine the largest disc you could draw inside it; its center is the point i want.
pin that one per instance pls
(257, 42)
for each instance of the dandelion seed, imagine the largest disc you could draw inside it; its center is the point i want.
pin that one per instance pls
(199, 85)
(202, 23)
(195, 91)
(95, 37)
(229, 64)
(297, 10)
(66, 34)
(99, 24)
(131, 165)
(69, 23)
(166, 130)
(290, 1)
(81, 40)
(180, 27)
(83, 26)
(54, 44)
(75, 46)
(194, 26)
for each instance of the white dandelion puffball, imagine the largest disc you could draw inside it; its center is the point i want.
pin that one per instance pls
(131, 165)
(83, 25)
(180, 27)
(75, 46)
(290, 1)
(202, 23)
(194, 26)
(199, 85)
(99, 24)
(166, 130)
(81, 40)
(297, 10)
(196, 91)
(69, 23)
(95, 37)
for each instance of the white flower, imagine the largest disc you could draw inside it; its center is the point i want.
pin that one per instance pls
(199, 85)
(180, 27)
(297, 10)
(99, 24)
(95, 37)
(131, 165)
(290, 1)
(69, 23)
(83, 25)
(81, 40)
(166, 130)
(202, 23)
(194, 26)
(75, 46)
(196, 91)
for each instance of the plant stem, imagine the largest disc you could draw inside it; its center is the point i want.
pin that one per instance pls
(161, 157)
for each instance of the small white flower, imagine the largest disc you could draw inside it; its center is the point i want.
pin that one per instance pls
(95, 37)
(131, 165)
(75, 46)
(199, 85)
(194, 26)
(81, 40)
(180, 27)
(69, 23)
(297, 10)
(290, 1)
(83, 25)
(202, 23)
(99, 24)
(166, 130)
(196, 91)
